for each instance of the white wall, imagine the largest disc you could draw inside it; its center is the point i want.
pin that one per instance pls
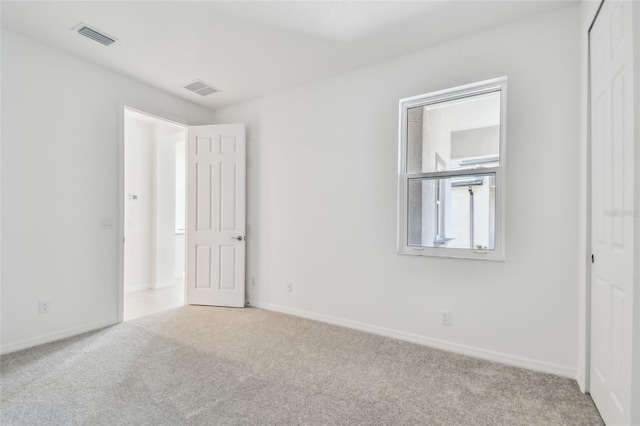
(138, 168)
(61, 139)
(181, 201)
(322, 179)
(635, 360)
(165, 211)
(473, 143)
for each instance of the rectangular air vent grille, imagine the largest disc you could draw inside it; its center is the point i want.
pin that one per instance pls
(201, 88)
(95, 35)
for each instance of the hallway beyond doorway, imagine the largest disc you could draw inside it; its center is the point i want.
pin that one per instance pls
(149, 301)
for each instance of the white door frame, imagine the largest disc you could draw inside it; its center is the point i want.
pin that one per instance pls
(584, 349)
(161, 115)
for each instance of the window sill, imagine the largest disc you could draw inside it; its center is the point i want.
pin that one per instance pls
(492, 255)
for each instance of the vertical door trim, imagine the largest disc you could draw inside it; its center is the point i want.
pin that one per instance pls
(588, 249)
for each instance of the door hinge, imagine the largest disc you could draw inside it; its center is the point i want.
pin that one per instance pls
(593, 259)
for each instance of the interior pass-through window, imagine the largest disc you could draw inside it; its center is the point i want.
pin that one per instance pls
(451, 177)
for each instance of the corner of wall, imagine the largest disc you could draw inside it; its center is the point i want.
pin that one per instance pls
(58, 335)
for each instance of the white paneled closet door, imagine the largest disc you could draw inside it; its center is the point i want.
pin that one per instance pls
(216, 215)
(612, 177)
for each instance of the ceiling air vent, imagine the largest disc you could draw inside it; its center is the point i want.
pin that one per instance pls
(95, 35)
(201, 88)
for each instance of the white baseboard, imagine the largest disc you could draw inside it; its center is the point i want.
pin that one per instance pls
(163, 284)
(135, 288)
(503, 358)
(52, 337)
(170, 283)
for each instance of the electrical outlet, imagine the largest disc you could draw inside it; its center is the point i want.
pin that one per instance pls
(289, 287)
(253, 281)
(44, 307)
(445, 318)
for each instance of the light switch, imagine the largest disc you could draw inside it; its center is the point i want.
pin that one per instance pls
(106, 223)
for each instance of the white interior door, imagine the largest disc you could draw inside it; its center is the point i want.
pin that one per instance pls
(612, 211)
(216, 215)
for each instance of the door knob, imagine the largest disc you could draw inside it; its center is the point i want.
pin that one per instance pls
(239, 238)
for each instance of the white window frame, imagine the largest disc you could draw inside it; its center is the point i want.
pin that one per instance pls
(493, 85)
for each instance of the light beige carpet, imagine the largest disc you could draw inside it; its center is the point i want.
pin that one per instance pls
(217, 366)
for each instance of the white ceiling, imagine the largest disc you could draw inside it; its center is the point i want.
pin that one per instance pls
(249, 49)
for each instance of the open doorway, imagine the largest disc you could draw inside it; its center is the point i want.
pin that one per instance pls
(154, 211)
